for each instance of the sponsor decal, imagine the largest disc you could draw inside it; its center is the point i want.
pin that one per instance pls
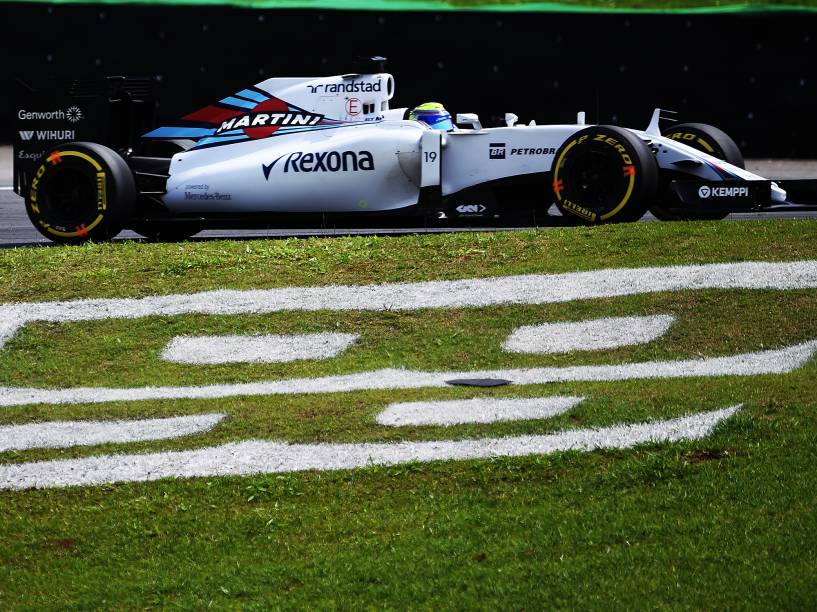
(269, 119)
(705, 192)
(353, 106)
(471, 209)
(498, 150)
(47, 135)
(33, 155)
(216, 195)
(350, 87)
(581, 211)
(72, 114)
(625, 157)
(534, 151)
(101, 193)
(328, 161)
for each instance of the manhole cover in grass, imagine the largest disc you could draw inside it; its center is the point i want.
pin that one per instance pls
(478, 382)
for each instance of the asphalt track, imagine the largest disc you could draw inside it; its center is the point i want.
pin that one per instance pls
(16, 230)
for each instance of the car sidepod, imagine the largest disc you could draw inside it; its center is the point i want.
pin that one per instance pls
(368, 168)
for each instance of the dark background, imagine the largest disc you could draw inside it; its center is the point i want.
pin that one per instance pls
(753, 75)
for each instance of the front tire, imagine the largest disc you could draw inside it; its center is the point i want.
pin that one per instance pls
(707, 139)
(81, 191)
(604, 174)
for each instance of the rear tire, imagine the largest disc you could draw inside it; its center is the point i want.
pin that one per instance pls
(604, 174)
(707, 139)
(81, 191)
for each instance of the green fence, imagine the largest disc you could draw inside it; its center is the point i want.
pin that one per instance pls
(577, 6)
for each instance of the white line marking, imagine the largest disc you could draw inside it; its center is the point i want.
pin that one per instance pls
(62, 434)
(256, 349)
(531, 289)
(779, 361)
(478, 410)
(257, 456)
(588, 335)
(4, 188)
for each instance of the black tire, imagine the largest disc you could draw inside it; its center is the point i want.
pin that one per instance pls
(710, 140)
(81, 191)
(165, 231)
(604, 174)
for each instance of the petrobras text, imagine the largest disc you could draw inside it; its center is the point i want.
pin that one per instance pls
(534, 151)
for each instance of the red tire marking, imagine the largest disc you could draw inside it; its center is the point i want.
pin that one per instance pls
(55, 158)
(629, 170)
(558, 185)
(81, 230)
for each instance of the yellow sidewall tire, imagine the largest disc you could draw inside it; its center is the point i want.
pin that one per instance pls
(604, 174)
(81, 191)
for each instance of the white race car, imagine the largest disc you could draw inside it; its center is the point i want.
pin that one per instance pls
(331, 151)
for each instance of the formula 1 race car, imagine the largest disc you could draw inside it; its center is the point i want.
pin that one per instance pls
(330, 151)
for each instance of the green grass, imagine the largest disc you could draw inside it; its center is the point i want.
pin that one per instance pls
(727, 521)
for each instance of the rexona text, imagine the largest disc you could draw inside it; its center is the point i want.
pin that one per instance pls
(331, 161)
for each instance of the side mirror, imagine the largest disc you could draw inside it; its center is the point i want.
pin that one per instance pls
(511, 119)
(469, 119)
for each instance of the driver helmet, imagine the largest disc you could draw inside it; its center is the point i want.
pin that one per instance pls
(434, 115)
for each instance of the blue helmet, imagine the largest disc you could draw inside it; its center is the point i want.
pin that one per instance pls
(434, 115)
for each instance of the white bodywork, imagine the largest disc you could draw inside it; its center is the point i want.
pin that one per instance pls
(371, 159)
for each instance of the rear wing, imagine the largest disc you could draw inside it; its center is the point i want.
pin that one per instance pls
(114, 111)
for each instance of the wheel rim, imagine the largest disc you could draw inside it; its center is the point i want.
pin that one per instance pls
(69, 196)
(595, 179)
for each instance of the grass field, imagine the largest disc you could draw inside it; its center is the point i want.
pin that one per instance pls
(725, 521)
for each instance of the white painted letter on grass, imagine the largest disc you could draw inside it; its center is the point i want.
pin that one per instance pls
(62, 434)
(479, 410)
(256, 349)
(591, 335)
(266, 457)
(465, 293)
(777, 361)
